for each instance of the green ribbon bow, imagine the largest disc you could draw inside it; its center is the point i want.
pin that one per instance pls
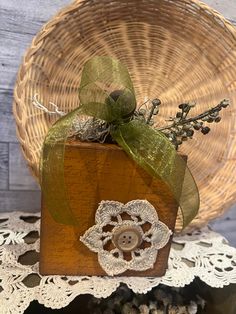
(148, 147)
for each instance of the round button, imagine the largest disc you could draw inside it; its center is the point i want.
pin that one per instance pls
(127, 238)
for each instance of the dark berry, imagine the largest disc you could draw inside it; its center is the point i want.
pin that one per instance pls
(156, 102)
(190, 132)
(218, 119)
(184, 107)
(205, 130)
(197, 126)
(187, 108)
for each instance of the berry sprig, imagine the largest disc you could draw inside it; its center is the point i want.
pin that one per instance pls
(182, 127)
(146, 113)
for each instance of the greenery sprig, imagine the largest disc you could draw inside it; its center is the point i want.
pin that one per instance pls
(181, 127)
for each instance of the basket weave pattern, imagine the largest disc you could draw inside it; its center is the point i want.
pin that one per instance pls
(176, 50)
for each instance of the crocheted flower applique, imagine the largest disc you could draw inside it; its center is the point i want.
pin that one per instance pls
(126, 236)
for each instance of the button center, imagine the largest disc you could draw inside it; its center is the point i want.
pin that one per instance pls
(127, 238)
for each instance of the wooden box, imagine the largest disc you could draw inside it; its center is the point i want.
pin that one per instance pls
(96, 172)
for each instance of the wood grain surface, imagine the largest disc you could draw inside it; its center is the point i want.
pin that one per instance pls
(19, 22)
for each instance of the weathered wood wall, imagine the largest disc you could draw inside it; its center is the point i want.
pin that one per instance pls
(20, 20)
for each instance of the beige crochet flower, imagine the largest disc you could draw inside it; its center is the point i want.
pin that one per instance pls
(126, 236)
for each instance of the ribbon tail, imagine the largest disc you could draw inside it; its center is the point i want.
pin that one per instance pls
(52, 170)
(153, 152)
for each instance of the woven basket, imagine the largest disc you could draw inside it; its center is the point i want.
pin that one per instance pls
(176, 50)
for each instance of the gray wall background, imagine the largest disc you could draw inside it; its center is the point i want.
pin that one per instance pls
(20, 20)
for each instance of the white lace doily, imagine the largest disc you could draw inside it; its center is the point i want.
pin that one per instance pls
(204, 254)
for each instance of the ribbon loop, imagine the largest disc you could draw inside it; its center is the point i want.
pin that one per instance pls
(101, 79)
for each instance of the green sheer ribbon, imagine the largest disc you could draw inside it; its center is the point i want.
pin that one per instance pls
(148, 147)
